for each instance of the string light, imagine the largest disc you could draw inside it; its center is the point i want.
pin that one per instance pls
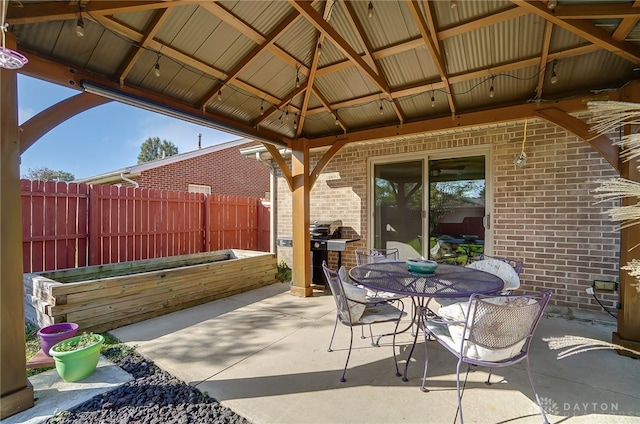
(156, 68)
(433, 100)
(286, 115)
(295, 122)
(220, 94)
(381, 109)
(554, 76)
(492, 92)
(262, 108)
(336, 116)
(551, 4)
(80, 22)
(319, 49)
(370, 10)
(453, 4)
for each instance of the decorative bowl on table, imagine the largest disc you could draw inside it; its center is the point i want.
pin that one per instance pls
(421, 266)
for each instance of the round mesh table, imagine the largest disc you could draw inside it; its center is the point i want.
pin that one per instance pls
(447, 282)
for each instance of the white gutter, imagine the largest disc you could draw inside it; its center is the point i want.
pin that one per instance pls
(135, 183)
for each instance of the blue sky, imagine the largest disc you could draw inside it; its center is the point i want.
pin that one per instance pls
(102, 139)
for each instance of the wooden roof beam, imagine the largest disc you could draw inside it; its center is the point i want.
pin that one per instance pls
(546, 41)
(419, 19)
(33, 13)
(586, 30)
(250, 57)
(472, 25)
(626, 25)
(135, 52)
(596, 11)
(497, 115)
(315, 19)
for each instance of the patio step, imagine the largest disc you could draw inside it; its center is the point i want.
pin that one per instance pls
(40, 360)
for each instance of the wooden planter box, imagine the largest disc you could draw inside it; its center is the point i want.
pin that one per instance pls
(103, 297)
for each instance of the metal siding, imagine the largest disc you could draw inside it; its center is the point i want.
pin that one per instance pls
(466, 10)
(137, 20)
(300, 41)
(260, 15)
(409, 67)
(178, 19)
(352, 82)
(393, 17)
(272, 75)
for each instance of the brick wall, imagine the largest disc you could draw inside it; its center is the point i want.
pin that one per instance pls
(225, 171)
(543, 212)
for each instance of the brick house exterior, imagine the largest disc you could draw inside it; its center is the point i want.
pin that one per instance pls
(220, 167)
(543, 212)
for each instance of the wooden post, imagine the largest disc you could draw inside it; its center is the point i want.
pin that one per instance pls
(628, 334)
(301, 187)
(16, 392)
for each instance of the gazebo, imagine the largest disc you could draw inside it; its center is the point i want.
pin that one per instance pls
(314, 78)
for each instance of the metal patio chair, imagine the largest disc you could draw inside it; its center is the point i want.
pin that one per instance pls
(506, 268)
(352, 310)
(489, 331)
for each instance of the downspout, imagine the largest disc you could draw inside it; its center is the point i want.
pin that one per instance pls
(130, 181)
(272, 197)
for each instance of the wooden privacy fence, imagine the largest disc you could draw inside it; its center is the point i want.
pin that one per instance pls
(68, 225)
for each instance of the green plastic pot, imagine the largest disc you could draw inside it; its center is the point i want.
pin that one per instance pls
(78, 364)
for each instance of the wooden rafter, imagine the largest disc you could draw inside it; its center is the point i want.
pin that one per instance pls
(586, 30)
(596, 11)
(502, 114)
(433, 49)
(251, 56)
(544, 57)
(286, 101)
(626, 25)
(154, 26)
(481, 22)
(580, 128)
(323, 26)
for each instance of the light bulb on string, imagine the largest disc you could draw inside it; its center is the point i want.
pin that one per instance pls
(295, 122)
(551, 4)
(262, 108)
(286, 115)
(319, 49)
(297, 81)
(433, 100)
(453, 4)
(554, 76)
(80, 27)
(156, 69)
(492, 92)
(381, 109)
(220, 95)
(370, 10)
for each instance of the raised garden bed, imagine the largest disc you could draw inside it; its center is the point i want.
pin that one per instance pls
(103, 297)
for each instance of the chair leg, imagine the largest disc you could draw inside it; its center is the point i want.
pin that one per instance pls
(426, 362)
(488, 382)
(333, 334)
(344, 372)
(535, 393)
(458, 390)
(393, 346)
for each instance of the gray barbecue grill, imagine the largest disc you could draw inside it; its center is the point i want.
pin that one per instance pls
(325, 236)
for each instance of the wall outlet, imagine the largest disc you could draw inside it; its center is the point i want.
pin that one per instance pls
(605, 285)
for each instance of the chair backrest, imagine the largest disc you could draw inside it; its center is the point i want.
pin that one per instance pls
(516, 264)
(369, 256)
(338, 293)
(500, 268)
(503, 325)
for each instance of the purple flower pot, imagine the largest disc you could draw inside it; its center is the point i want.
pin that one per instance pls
(55, 333)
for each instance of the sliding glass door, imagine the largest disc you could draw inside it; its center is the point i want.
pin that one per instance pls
(446, 221)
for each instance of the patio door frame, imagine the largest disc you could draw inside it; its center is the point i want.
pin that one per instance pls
(424, 156)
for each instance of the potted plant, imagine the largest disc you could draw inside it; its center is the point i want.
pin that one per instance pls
(76, 358)
(284, 272)
(55, 333)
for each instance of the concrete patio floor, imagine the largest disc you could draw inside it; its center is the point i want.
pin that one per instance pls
(264, 355)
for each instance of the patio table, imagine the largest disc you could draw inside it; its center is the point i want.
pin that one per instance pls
(447, 282)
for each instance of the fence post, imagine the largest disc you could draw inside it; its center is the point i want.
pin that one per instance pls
(93, 233)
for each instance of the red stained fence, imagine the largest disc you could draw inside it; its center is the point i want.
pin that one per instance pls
(68, 225)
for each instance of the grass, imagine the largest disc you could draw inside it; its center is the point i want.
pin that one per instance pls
(112, 349)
